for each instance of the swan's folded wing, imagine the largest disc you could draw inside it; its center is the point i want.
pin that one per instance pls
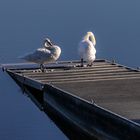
(82, 48)
(37, 56)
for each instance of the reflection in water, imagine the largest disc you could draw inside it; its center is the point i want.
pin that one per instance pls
(72, 132)
(20, 119)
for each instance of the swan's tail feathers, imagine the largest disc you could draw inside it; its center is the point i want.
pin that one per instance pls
(27, 57)
(20, 57)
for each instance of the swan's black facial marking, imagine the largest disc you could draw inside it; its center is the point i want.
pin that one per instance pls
(48, 42)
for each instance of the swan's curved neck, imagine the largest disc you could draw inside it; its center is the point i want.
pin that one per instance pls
(91, 38)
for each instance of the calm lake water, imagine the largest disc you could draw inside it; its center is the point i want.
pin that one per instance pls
(24, 25)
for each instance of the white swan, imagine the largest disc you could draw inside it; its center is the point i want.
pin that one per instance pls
(87, 49)
(48, 53)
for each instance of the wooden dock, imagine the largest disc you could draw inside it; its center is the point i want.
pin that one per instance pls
(102, 101)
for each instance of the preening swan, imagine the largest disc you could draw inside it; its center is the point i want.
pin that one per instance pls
(87, 49)
(48, 53)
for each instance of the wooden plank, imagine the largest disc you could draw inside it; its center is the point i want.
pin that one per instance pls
(81, 75)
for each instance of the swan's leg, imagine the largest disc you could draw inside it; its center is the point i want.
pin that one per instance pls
(42, 67)
(82, 62)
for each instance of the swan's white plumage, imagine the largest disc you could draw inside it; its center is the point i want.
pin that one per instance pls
(87, 49)
(46, 54)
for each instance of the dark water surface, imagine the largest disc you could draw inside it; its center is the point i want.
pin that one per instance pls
(24, 24)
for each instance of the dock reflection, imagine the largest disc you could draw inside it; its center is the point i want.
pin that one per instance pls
(72, 132)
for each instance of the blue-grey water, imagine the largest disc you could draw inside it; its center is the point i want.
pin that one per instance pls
(23, 26)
